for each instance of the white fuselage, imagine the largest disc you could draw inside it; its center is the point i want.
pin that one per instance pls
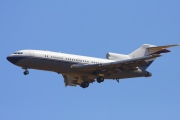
(62, 63)
(82, 70)
(52, 61)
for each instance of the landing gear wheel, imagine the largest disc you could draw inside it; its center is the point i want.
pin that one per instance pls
(84, 84)
(26, 72)
(100, 79)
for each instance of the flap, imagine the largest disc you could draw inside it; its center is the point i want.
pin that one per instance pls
(70, 80)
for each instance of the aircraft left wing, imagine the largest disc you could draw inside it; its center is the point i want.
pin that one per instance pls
(129, 64)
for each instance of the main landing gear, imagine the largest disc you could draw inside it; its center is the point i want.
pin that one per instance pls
(100, 79)
(84, 84)
(26, 72)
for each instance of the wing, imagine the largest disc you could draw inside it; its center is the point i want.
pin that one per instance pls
(129, 64)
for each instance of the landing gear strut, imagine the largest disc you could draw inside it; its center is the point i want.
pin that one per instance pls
(26, 72)
(100, 79)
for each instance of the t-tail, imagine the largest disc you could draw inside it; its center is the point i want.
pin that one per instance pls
(147, 49)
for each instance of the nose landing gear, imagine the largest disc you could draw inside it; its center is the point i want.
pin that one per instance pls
(26, 72)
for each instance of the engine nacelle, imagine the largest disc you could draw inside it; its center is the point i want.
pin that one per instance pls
(116, 56)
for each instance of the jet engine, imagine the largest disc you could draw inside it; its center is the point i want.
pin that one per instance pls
(116, 56)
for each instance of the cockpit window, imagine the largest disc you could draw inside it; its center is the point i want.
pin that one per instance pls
(18, 53)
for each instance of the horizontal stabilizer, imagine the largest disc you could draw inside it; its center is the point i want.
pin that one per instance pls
(164, 46)
(160, 49)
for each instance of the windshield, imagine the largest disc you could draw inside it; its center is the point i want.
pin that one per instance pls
(18, 53)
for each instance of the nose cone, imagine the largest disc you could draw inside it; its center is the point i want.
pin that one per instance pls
(12, 59)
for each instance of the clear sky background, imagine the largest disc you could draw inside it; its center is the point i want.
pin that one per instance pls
(91, 28)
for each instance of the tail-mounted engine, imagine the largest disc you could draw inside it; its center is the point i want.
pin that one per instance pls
(116, 56)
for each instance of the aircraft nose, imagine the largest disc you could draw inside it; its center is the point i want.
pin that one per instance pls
(12, 59)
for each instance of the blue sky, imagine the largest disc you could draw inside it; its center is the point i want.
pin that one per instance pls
(90, 28)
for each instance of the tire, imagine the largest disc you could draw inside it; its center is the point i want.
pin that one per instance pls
(26, 72)
(100, 79)
(84, 84)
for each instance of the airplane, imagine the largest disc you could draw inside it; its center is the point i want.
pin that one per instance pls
(83, 70)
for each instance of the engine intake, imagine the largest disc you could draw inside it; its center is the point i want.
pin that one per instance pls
(116, 56)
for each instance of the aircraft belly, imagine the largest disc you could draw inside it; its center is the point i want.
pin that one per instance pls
(44, 64)
(50, 65)
(65, 67)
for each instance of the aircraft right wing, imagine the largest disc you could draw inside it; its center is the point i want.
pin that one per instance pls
(128, 64)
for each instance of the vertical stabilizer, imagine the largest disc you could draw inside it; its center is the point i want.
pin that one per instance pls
(143, 51)
(147, 49)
